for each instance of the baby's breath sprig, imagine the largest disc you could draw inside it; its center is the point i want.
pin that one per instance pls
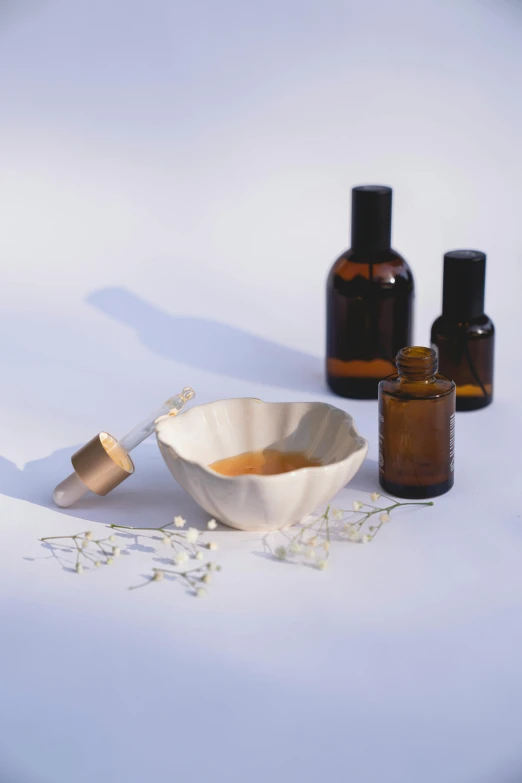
(354, 519)
(186, 544)
(90, 551)
(197, 579)
(311, 544)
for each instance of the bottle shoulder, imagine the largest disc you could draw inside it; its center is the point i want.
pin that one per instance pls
(475, 329)
(388, 270)
(402, 388)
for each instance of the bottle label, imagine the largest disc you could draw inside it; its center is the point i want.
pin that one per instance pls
(381, 438)
(452, 442)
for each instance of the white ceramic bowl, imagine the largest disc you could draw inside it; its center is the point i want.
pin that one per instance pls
(193, 440)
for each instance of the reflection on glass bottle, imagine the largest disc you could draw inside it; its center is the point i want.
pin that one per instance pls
(416, 427)
(464, 336)
(369, 300)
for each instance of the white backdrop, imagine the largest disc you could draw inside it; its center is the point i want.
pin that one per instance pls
(175, 184)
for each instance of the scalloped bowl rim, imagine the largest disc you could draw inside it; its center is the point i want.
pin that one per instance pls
(361, 444)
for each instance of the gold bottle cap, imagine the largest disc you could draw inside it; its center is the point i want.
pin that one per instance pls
(102, 464)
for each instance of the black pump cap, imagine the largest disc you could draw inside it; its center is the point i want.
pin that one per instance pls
(464, 283)
(371, 218)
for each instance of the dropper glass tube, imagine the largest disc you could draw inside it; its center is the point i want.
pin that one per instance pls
(104, 462)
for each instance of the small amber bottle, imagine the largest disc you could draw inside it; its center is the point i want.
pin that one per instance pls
(416, 427)
(369, 300)
(464, 336)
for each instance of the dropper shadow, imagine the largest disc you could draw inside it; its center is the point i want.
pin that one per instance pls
(211, 345)
(150, 498)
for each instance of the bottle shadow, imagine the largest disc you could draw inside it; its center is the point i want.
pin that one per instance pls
(211, 345)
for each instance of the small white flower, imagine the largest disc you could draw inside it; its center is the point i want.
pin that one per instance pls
(295, 548)
(88, 535)
(109, 561)
(158, 576)
(192, 535)
(322, 564)
(366, 538)
(116, 551)
(374, 496)
(201, 592)
(353, 535)
(337, 514)
(326, 546)
(79, 568)
(181, 558)
(310, 553)
(97, 564)
(212, 524)
(112, 539)
(179, 522)
(206, 579)
(85, 544)
(212, 567)
(212, 546)
(280, 553)
(384, 517)
(199, 555)
(312, 541)
(357, 505)
(166, 541)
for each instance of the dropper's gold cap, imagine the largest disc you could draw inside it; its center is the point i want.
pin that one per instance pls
(102, 464)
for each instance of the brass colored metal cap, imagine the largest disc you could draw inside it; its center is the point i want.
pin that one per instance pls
(102, 464)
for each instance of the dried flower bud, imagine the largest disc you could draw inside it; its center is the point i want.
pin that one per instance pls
(109, 561)
(357, 505)
(384, 517)
(116, 551)
(280, 553)
(206, 578)
(199, 555)
(158, 576)
(112, 539)
(212, 546)
(374, 496)
(212, 524)
(166, 541)
(322, 564)
(201, 592)
(79, 568)
(88, 535)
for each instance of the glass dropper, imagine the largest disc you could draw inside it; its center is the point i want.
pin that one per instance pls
(104, 462)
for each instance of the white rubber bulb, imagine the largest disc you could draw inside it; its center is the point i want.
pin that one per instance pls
(69, 491)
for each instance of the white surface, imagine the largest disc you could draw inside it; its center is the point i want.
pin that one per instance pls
(175, 185)
(225, 428)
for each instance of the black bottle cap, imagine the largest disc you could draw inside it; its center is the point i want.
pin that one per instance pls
(371, 218)
(464, 282)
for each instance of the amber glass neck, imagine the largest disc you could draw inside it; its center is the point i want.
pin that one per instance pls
(417, 363)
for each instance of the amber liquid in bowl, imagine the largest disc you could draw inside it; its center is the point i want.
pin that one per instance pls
(268, 462)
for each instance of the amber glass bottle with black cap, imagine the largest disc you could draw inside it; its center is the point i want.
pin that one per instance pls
(369, 300)
(464, 336)
(416, 427)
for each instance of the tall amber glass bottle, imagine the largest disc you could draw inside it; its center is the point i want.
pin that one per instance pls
(464, 336)
(416, 427)
(369, 300)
